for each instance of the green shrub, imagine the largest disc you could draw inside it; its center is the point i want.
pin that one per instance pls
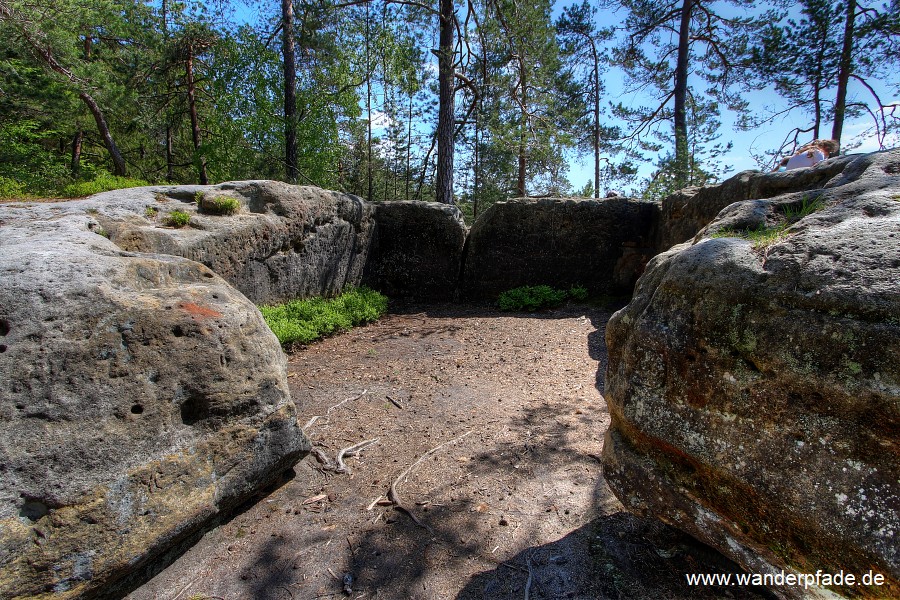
(304, 321)
(178, 218)
(578, 293)
(103, 182)
(531, 298)
(218, 205)
(150, 212)
(10, 188)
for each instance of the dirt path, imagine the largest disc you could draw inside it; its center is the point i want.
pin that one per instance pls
(512, 502)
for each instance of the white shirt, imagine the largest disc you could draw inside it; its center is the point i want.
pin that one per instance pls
(806, 158)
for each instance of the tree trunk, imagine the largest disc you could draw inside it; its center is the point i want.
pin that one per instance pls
(195, 121)
(596, 120)
(76, 152)
(446, 107)
(290, 90)
(119, 167)
(409, 143)
(369, 182)
(170, 155)
(846, 65)
(682, 158)
(523, 129)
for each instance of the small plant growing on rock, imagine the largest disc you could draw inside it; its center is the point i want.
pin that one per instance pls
(218, 205)
(151, 212)
(178, 218)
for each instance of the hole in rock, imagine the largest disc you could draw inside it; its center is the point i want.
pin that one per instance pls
(33, 510)
(194, 409)
(2, 348)
(137, 409)
(4, 326)
(177, 331)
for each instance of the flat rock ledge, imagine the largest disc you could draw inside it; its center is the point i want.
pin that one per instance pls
(141, 395)
(754, 387)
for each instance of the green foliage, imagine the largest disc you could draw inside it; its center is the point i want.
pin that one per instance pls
(103, 182)
(304, 321)
(218, 205)
(578, 293)
(531, 298)
(10, 188)
(151, 212)
(178, 218)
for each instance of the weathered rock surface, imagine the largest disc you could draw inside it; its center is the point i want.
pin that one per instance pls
(417, 250)
(600, 244)
(687, 211)
(286, 242)
(755, 391)
(140, 394)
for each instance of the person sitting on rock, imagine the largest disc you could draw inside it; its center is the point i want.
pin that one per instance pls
(811, 154)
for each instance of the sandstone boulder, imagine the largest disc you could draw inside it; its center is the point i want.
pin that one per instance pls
(285, 241)
(600, 244)
(754, 384)
(417, 250)
(140, 393)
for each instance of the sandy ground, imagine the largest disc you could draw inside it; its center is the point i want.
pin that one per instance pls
(497, 421)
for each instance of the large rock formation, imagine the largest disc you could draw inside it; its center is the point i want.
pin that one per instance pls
(754, 384)
(687, 211)
(600, 244)
(285, 242)
(140, 393)
(417, 250)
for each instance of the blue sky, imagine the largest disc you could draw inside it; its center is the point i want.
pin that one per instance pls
(746, 143)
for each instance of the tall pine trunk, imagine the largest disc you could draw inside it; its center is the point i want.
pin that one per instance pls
(195, 120)
(596, 132)
(446, 108)
(682, 154)
(119, 167)
(290, 90)
(76, 151)
(846, 66)
(523, 129)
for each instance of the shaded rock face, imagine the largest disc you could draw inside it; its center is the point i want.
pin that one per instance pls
(140, 396)
(417, 250)
(755, 391)
(600, 244)
(687, 211)
(286, 242)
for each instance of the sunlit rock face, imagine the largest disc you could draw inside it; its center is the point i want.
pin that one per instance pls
(754, 381)
(141, 396)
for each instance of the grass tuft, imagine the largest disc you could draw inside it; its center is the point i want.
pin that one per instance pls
(178, 218)
(218, 205)
(304, 321)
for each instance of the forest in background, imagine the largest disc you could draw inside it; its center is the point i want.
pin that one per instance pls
(465, 102)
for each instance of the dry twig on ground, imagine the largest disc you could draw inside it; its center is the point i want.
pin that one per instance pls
(394, 496)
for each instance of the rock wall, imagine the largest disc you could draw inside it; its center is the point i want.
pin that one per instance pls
(600, 244)
(417, 250)
(286, 242)
(140, 396)
(754, 386)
